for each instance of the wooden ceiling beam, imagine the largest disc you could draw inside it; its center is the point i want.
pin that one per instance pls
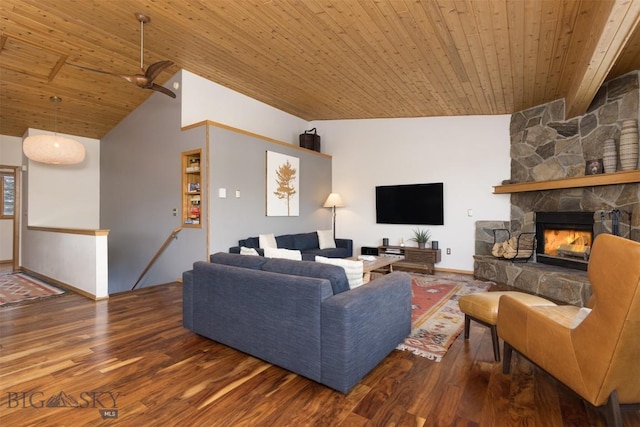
(616, 29)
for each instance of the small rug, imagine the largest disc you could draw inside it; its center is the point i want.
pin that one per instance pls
(436, 319)
(18, 287)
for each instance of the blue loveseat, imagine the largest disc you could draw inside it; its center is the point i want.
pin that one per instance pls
(307, 243)
(299, 315)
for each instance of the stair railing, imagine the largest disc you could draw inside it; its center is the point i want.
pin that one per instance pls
(172, 235)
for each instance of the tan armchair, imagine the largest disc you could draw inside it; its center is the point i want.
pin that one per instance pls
(598, 357)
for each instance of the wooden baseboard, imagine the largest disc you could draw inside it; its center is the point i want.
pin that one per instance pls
(62, 285)
(451, 270)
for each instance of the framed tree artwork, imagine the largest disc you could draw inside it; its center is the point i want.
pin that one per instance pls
(283, 185)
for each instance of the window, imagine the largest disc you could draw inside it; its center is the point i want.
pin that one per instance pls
(8, 195)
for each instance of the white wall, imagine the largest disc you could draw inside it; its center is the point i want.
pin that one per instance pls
(65, 196)
(468, 154)
(206, 100)
(10, 150)
(76, 260)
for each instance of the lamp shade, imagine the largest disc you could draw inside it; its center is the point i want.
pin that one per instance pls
(334, 200)
(53, 149)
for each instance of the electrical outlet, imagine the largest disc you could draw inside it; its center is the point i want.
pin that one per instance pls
(448, 251)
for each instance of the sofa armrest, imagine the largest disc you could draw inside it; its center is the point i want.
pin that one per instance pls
(187, 299)
(346, 244)
(362, 326)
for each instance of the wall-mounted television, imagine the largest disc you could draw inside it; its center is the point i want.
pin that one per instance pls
(415, 204)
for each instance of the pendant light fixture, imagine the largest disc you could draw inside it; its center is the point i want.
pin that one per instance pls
(53, 149)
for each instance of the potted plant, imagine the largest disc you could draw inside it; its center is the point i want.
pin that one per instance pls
(421, 237)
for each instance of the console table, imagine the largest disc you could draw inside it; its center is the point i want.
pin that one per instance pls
(411, 258)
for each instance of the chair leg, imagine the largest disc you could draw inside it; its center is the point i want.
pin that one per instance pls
(506, 363)
(613, 413)
(467, 326)
(496, 343)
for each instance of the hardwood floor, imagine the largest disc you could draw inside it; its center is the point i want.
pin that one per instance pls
(128, 361)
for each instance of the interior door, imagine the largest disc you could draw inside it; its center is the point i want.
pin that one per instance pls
(9, 218)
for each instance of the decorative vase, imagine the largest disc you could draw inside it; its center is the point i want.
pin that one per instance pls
(422, 245)
(610, 157)
(629, 145)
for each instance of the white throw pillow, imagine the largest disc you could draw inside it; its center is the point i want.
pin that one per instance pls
(353, 269)
(248, 251)
(582, 314)
(267, 241)
(283, 253)
(325, 238)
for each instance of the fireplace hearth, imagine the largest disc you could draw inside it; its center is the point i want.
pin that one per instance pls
(564, 238)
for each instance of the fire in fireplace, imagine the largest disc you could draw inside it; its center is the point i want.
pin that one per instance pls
(564, 238)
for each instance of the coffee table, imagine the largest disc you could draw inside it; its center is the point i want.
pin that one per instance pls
(379, 263)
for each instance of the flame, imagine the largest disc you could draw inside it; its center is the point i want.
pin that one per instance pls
(578, 241)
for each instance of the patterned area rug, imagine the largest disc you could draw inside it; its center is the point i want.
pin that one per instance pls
(436, 317)
(18, 287)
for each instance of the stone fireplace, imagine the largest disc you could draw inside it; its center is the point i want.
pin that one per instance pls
(547, 148)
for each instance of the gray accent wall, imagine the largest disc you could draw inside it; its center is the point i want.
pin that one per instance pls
(238, 163)
(140, 185)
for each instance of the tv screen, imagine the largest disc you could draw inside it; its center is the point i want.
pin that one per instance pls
(415, 204)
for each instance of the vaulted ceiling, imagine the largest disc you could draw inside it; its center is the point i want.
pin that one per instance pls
(315, 59)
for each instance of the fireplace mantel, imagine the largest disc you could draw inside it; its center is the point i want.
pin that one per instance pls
(628, 177)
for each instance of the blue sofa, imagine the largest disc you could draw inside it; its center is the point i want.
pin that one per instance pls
(299, 315)
(306, 243)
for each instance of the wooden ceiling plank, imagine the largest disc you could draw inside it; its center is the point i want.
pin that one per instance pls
(500, 65)
(532, 15)
(515, 23)
(486, 57)
(437, 49)
(546, 35)
(40, 101)
(353, 53)
(43, 24)
(464, 33)
(616, 29)
(565, 25)
(356, 51)
(426, 52)
(357, 69)
(407, 63)
(348, 71)
(503, 51)
(188, 42)
(295, 64)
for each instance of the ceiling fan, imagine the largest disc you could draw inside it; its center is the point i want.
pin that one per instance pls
(145, 79)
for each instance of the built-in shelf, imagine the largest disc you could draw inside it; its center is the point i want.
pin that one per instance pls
(628, 177)
(191, 189)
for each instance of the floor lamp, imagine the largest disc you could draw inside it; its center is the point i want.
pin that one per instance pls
(334, 201)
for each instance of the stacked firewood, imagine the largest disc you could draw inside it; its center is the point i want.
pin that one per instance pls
(509, 249)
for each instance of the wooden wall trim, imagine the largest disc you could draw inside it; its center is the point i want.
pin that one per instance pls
(255, 135)
(86, 232)
(63, 285)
